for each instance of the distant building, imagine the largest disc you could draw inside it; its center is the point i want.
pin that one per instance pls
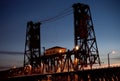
(55, 50)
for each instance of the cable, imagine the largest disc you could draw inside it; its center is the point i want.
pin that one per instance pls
(65, 12)
(55, 19)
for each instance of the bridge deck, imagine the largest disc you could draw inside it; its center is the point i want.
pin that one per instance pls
(100, 74)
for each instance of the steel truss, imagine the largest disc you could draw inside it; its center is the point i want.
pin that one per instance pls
(72, 65)
(62, 62)
(85, 36)
(32, 44)
(72, 60)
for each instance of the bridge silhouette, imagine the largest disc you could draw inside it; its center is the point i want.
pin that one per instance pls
(69, 65)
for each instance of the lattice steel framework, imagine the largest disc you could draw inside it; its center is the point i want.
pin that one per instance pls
(32, 44)
(71, 60)
(62, 66)
(85, 36)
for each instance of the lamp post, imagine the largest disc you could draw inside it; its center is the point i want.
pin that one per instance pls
(113, 52)
(108, 60)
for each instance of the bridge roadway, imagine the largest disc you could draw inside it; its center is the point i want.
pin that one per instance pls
(100, 74)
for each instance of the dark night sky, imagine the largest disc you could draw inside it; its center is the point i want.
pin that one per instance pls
(14, 15)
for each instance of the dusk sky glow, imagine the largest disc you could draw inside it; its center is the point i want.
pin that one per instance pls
(14, 15)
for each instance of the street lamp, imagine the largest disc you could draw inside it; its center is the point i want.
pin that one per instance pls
(113, 52)
(76, 48)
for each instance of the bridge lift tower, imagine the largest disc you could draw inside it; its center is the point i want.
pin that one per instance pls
(84, 36)
(32, 44)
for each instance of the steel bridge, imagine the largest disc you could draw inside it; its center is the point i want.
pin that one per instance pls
(85, 55)
(100, 74)
(72, 65)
